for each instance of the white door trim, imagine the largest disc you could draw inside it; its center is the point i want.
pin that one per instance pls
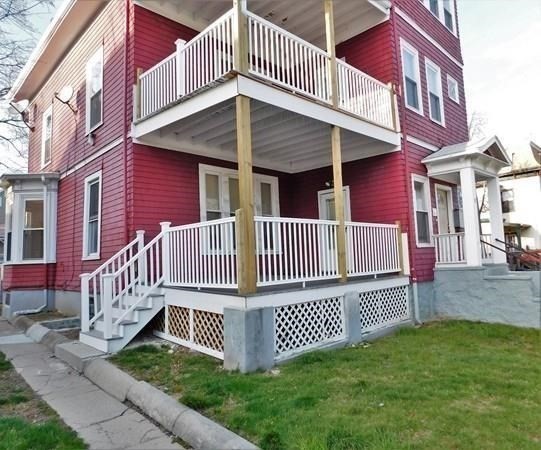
(449, 191)
(347, 203)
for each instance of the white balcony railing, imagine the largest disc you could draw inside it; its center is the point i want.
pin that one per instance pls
(274, 55)
(450, 248)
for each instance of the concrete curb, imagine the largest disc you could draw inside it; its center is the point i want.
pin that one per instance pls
(193, 428)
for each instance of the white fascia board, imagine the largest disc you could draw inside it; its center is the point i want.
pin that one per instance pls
(42, 44)
(199, 102)
(309, 108)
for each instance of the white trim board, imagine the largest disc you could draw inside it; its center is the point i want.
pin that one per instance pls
(422, 143)
(429, 38)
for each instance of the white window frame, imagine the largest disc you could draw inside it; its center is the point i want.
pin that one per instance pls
(450, 81)
(405, 46)
(96, 57)
(96, 176)
(426, 183)
(441, 14)
(46, 114)
(20, 250)
(431, 65)
(223, 175)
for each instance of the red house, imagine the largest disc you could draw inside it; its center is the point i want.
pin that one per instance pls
(215, 165)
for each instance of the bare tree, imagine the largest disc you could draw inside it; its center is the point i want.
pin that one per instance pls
(476, 126)
(18, 35)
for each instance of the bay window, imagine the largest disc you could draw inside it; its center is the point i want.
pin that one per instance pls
(33, 229)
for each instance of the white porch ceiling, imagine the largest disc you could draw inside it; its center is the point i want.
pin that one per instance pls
(304, 18)
(282, 140)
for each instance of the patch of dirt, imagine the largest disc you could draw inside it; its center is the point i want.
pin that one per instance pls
(28, 405)
(48, 315)
(72, 334)
(478, 405)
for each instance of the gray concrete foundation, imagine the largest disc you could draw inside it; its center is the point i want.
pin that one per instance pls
(488, 294)
(248, 339)
(35, 300)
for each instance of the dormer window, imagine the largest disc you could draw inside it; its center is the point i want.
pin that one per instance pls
(94, 91)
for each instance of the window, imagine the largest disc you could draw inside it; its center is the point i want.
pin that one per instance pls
(448, 15)
(33, 230)
(444, 10)
(412, 84)
(508, 200)
(219, 193)
(434, 7)
(94, 91)
(46, 135)
(92, 217)
(435, 97)
(452, 89)
(421, 203)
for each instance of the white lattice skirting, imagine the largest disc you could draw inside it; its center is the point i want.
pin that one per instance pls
(383, 308)
(193, 328)
(301, 326)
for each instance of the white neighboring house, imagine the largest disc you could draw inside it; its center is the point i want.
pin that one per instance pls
(520, 186)
(2, 226)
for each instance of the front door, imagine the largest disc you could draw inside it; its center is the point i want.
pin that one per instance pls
(327, 212)
(445, 210)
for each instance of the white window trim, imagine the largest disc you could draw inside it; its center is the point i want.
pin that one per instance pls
(88, 180)
(430, 64)
(441, 15)
(450, 205)
(450, 79)
(98, 55)
(224, 173)
(408, 47)
(48, 112)
(426, 183)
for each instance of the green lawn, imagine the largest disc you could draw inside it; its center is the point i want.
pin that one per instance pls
(26, 422)
(449, 385)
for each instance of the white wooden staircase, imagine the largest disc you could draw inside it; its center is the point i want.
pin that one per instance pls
(123, 295)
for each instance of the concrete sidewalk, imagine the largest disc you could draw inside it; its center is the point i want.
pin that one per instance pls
(99, 419)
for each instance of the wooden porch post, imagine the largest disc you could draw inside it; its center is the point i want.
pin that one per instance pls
(336, 147)
(246, 257)
(240, 37)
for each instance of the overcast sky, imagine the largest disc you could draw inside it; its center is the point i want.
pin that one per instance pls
(501, 45)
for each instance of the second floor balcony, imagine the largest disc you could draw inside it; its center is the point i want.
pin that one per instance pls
(268, 57)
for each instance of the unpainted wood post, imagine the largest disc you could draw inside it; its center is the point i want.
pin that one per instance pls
(137, 99)
(240, 37)
(331, 50)
(339, 201)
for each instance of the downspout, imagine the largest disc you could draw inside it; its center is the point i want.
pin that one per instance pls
(405, 164)
(125, 112)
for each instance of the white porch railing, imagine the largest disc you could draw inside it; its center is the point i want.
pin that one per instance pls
(364, 96)
(295, 250)
(285, 59)
(275, 55)
(372, 249)
(450, 248)
(203, 254)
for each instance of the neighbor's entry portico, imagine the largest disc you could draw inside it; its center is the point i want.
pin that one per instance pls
(465, 165)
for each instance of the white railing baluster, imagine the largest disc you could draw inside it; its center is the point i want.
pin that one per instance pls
(450, 248)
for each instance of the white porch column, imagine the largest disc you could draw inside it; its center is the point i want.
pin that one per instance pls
(496, 220)
(472, 235)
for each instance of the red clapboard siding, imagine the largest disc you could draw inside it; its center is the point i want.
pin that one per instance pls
(28, 276)
(69, 142)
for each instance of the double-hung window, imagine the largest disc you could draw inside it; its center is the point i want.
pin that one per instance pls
(422, 207)
(33, 228)
(412, 79)
(434, 7)
(94, 91)
(435, 97)
(92, 217)
(46, 136)
(449, 15)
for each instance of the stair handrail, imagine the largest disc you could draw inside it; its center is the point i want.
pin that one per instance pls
(514, 254)
(95, 279)
(149, 275)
